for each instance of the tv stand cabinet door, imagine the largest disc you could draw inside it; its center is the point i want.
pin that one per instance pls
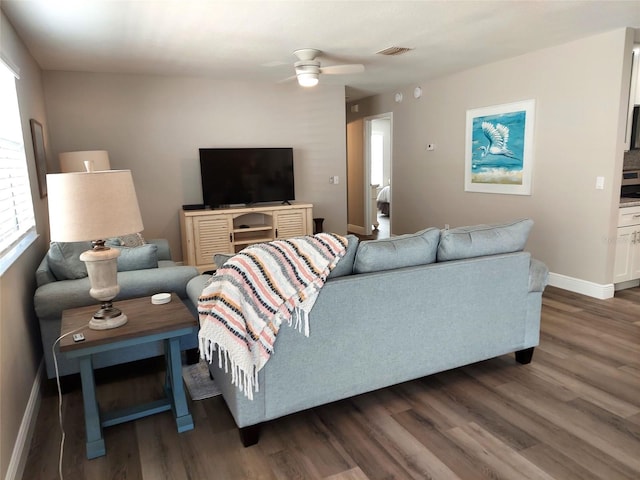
(213, 235)
(292, 223)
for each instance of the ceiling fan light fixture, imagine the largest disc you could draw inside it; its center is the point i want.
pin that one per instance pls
(307, 79)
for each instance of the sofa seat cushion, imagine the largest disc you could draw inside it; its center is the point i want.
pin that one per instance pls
(479, 240)
(396, 252)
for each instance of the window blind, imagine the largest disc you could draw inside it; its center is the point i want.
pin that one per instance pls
(16, 205)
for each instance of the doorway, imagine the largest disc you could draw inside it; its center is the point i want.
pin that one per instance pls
(369, 159)
(378, 158)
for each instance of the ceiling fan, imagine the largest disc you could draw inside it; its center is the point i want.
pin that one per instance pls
(308, 67)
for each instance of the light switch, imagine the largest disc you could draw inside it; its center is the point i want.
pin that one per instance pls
(599, 183)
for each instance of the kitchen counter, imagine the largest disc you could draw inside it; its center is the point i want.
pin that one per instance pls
(629, 202)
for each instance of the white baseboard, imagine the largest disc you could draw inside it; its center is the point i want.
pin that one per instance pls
(359, 229)
(25, 433)
(583, 287)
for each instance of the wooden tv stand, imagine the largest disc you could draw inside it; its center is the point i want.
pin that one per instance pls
(229, 230)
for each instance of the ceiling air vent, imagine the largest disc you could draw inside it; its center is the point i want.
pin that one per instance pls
(394, 51)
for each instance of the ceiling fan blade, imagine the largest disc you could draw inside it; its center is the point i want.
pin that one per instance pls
(343, 69)
(288, 79)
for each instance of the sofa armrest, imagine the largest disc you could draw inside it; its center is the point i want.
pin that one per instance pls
(164, 250)
(43, 273)
(538, 275)
(51, 299)
(195, 287)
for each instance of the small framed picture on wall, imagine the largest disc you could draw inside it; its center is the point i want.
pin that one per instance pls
(40, 155)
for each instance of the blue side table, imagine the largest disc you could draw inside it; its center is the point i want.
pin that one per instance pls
(147, 323)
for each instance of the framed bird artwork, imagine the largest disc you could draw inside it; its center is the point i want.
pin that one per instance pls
(499, 148)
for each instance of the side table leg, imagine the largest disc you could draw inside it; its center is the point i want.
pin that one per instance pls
(95, 441)
(184, 420)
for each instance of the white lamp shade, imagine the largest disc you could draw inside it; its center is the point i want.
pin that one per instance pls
(75, 161)
(92, 206)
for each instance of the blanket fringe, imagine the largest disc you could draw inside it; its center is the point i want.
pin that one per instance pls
(246, 382)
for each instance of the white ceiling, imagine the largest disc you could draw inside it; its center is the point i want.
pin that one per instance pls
(255, 40)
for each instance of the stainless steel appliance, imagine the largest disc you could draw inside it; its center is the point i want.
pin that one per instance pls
(630, 184)
(634, 144)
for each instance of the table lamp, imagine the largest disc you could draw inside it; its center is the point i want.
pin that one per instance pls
(75, 161)
(93, 206)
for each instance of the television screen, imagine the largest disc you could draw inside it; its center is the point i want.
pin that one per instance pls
(232, 176)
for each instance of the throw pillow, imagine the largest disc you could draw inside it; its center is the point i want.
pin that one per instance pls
(130, 240)
(479, 240)
(64, 261)
(220, 258)
(396, 252)
(345, 264)
(138, 258)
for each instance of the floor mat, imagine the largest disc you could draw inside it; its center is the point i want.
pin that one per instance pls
(199, 384)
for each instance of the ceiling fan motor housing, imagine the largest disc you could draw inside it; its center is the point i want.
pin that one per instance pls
(307, 66)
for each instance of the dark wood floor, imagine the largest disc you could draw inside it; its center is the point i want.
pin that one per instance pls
(573, 413)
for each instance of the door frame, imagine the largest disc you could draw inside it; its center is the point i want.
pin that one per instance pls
(367, 168)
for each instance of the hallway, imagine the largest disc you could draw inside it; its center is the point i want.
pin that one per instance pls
(383, 230)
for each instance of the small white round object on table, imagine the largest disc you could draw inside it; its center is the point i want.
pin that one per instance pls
(161, 298)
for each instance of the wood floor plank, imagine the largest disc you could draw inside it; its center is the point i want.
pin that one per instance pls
(598, 396)
(556, 464)
(361, 441)
(609, 440)
(353, 474)
(493, 453)
(160, 455)
(416, 458)
(457, 458)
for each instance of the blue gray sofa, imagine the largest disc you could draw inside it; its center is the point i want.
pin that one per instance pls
(62, 283)
(398, 309)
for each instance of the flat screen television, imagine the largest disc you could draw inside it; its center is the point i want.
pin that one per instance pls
(233, 176)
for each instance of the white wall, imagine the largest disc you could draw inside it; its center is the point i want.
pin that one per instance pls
(578, 89)
(20, 348)
(154, 126)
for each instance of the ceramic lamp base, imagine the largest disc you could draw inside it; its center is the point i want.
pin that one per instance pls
(108, 323)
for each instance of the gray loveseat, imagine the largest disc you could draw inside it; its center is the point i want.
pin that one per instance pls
(395, 310)
(62, 283)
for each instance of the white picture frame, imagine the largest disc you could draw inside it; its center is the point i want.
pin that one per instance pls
(493, 165)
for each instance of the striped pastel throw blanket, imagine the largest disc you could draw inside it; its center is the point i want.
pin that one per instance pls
(245, 302)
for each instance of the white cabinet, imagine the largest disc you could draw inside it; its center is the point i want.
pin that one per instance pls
(229, 230)
(627, 260)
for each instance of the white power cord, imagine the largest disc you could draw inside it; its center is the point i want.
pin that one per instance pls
(55, 364)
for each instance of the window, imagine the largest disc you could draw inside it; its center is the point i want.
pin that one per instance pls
(377, 158)
(16, 205)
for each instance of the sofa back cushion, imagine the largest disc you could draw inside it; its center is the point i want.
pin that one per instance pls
(479, 240)
(138, 258)
(345, 264)
(64, 261)
(396, 252)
